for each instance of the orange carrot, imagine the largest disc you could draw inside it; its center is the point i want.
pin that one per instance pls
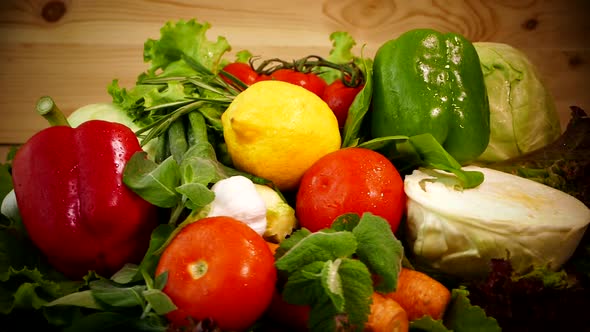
(272, 246)
(420, 295)
(386, 315)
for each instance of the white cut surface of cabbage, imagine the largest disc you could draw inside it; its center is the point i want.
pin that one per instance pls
(458, 231)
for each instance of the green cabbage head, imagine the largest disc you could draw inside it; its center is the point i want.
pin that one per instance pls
(523, 116)
(109, 112)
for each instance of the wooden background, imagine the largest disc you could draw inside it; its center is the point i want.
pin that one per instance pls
(72, 49)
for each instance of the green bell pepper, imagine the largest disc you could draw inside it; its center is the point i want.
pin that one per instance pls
(429, 82)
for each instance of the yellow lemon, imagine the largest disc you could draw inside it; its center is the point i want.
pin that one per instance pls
(277, 130)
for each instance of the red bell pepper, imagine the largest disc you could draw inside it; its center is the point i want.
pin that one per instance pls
(72, 199)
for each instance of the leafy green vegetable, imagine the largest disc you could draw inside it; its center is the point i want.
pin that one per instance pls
(539, 300)
(409, 153)
(131, 295)
(374, 239)
(341, 53)
(351, 135)
(186, 38)
(318, 246)
(5, 180)
(462, 316)
(331, 270)
(156, 183)
(563, 164)
(523, 116)
(181, 78)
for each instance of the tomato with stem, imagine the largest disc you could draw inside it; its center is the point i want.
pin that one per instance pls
(241, 71)
(309, 81)
(218, 269)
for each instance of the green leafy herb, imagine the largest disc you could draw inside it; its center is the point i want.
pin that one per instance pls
(331, 270)
(375, 238)
(156, 183)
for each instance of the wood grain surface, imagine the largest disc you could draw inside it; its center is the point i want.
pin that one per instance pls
(72, 49)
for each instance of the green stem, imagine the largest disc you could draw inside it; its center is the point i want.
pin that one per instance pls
(177, 211)
(162, 151)
(177, 140)
(49, 110)
(198, 127)
(352, 76)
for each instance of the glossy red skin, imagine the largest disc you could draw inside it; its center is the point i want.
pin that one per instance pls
(309, 81)
(350, 180)
(242, 71)
(239, 282)
(339, 97)
(72, 200)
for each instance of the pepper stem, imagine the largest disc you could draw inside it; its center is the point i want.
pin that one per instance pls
(49, 110)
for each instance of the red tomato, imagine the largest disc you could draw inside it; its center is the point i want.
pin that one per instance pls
(350, 180)
(219, 269)
(242, 71)
(310, 81)
(339, 97)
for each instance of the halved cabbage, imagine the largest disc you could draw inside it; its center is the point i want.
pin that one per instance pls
(459, 231)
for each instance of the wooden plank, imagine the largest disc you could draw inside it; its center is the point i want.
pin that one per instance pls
(75, 57)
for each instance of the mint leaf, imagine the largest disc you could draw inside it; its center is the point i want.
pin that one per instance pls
(324, 317)
(291, 241)
(319, 246)
(379, 250)
(304, 286)
(462, 316)
(357, 289)
(332, 283)
(154, 183)
(346, 222)
(341, 286)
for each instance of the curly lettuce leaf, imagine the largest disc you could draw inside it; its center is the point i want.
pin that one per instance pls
(181, 50)
(184, 38)
(463, 316)
(342, 45)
